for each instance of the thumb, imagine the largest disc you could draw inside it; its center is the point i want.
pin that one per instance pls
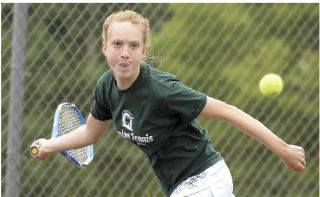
(36, 142)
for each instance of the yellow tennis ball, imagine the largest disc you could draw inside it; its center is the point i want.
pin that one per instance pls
(271, 85)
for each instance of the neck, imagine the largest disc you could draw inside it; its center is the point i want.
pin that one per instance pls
(125, 83)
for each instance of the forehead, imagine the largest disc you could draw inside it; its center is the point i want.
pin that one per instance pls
(125, 31)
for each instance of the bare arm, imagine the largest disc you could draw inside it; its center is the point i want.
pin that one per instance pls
(83, 136)
(293, 156)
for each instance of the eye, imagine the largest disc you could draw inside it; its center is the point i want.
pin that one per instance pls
(135, 45)
(116, 43)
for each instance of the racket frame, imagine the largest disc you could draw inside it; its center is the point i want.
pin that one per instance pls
(57, 133)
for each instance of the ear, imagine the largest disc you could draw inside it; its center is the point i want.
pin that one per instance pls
(104, 48)
(144, 51)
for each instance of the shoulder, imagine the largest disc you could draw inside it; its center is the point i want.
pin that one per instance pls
(163, 80)
(166, 83)
(105, 79)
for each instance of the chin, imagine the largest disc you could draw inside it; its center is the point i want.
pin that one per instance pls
(124, 74)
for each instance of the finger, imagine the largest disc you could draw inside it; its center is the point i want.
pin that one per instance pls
(37, 142)
(301, 155)
(304, 163)
(301, 167)
(298, 168)
(302, 150)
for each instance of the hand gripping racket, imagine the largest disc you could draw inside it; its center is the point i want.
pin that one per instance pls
(66, 119)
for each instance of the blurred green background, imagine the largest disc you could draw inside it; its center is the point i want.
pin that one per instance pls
(222, 50)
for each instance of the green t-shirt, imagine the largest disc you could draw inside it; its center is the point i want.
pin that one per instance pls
(157, 113)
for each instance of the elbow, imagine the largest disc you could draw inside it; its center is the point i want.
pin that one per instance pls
(92, 139)
(89, 136)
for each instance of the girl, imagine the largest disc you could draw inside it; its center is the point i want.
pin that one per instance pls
(157, 113)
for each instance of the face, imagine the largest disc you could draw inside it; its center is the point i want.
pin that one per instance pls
(124, 50)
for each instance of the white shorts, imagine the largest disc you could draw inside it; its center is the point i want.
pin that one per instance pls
(216, 181)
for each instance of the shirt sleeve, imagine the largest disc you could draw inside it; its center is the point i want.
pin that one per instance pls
(185, 102)
(100, 108)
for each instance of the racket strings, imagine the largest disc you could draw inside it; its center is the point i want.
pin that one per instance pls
(69, 121)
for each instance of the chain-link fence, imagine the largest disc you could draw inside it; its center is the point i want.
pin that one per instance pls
(51, 53)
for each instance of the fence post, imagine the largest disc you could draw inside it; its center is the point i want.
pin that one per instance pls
(13, 171)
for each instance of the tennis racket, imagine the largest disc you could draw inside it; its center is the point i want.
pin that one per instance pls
(66, 119)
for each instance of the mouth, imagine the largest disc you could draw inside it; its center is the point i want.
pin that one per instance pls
(123, 65)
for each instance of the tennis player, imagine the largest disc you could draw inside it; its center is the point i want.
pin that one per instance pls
(156, 112)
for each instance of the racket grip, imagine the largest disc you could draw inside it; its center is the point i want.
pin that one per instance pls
(35, 150)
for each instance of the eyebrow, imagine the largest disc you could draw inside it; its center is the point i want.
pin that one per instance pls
(114, 40)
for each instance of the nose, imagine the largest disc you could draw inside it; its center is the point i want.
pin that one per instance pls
(125, 52)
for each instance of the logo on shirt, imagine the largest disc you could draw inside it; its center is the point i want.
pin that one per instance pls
(127, 118)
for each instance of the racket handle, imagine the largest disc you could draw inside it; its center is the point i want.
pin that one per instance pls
(35, 150)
